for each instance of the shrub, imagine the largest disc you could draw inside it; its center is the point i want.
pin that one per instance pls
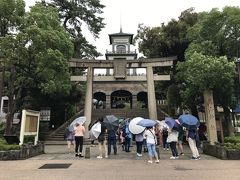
(29, 139)
(5, 147)
(234, 139)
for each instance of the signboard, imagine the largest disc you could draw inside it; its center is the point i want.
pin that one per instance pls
(29, 125)
(45, 115)
(120, 40)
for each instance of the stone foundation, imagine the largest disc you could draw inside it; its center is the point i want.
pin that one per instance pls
(25, 152)
(220, 151)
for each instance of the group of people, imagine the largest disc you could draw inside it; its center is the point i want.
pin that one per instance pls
(147, 140)
(174, 138)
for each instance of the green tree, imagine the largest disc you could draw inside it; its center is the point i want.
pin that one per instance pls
(37, 57)
(208, 74)
(75, 14)
(11, 16)
(11, 13)
(167, 40)
(215, 34)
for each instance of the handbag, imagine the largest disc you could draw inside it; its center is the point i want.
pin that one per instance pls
(172, 137)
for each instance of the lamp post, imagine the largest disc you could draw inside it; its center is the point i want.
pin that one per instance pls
(238, 68)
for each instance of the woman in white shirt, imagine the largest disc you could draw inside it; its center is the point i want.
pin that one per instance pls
(151, 144)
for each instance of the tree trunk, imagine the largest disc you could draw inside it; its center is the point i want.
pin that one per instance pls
(11, 103)
(210, 115)
(227, 119)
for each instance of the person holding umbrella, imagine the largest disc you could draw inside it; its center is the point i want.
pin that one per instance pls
(79, 130)
(192, 138)
(172, 140)
(102, 141)
(112, 141)
(191, 123)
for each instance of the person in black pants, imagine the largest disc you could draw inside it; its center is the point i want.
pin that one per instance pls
(172, 140)
(139, 143)
(112, 141)
(79, 133)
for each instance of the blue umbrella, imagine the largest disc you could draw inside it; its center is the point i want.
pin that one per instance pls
(189, 121)
(147, 123)
(172, 123)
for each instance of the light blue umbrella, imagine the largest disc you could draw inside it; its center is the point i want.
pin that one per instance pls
(147, 123)
(79, 120)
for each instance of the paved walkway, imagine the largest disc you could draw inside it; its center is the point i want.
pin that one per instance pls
(60, 152)
(122, 166)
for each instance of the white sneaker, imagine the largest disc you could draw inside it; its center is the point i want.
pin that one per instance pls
(150, 161)
(177, 157)
(167, 149)
(106, 156)
(99, 157)
(139, 155)
(157, 161)
(172, 157)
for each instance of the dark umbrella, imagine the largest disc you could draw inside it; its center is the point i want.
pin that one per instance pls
(189, 121)
(172, 123)
(147, 123)
(111, 122)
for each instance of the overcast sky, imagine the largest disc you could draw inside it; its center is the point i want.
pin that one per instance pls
(149, 12)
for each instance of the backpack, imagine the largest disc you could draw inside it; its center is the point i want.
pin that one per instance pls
(165, 132)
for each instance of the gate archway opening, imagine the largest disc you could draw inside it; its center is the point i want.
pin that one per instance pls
(121, 99)
(142, 99)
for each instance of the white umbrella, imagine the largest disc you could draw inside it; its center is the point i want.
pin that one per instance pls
(96, 129)
(162, 124)
(134, 128)
(79, 120)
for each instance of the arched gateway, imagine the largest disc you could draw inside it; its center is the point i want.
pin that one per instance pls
(121, 88)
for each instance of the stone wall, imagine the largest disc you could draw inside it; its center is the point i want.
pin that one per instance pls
(25, 152)
(221, 152)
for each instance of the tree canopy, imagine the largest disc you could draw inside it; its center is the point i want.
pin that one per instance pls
(75, 15)
(36, 58)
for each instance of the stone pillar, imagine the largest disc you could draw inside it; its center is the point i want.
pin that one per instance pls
(108, 101)
(88, 100)
(134, 101)
(152, 107)
(210, 116)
